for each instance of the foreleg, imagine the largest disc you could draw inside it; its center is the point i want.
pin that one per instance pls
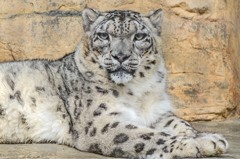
(123, 139)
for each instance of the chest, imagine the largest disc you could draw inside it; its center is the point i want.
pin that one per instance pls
(143, 110)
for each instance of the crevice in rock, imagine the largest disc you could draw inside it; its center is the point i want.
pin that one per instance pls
(51, 13)
(199, 73)
(184, 6)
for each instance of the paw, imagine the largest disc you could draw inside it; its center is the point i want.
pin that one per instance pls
(212, 144)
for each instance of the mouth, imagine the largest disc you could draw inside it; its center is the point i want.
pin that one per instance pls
(121, 75)
(122, 70)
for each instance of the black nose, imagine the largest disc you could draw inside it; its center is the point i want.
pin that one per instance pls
(120, 57)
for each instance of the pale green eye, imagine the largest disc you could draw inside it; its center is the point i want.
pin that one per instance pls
(103, 36)
(140, 36)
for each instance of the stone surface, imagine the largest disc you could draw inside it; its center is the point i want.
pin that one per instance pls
(229, 128)
(198, 50)
(200, 43)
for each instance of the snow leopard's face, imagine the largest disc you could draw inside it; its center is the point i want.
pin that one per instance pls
(124, 41)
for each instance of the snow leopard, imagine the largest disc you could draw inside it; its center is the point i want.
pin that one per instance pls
(108, 97)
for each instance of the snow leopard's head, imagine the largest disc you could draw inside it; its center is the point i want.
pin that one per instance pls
(123, 42)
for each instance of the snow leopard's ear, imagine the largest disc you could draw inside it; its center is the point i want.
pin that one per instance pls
(156, 18)
(89, 17)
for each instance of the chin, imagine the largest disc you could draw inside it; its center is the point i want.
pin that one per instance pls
(121, 77)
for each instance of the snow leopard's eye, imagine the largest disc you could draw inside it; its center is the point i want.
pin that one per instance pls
(140, 36)
(103, 36)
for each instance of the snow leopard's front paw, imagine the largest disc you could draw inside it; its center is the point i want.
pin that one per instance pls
(203, 145)
(212, 144)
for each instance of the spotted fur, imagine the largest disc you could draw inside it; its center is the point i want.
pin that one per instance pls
(108, 97)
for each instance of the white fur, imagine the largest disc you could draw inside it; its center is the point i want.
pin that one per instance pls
(145, 109)
(43, 121)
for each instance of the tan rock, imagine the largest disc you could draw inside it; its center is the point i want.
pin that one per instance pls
(200, 42)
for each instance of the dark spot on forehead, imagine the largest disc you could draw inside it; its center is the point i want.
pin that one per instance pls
(122, 23)
(123, 14)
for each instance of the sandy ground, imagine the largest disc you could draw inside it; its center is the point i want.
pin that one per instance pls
(230, 128)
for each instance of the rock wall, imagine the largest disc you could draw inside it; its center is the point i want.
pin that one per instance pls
(234, 52)
(201, 40)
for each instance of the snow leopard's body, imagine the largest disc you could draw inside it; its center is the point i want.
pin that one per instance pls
(108, 97)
